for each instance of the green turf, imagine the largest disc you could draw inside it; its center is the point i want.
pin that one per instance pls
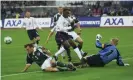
(13, 56)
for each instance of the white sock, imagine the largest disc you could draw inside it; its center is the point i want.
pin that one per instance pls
(35, 45)
(78, 52)
(60, 51)
(82, 52)
(63, 54)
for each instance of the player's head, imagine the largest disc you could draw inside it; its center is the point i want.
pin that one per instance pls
(66, 12)
(60, 10)
(27, 14)
(114, 41)
(29, 48)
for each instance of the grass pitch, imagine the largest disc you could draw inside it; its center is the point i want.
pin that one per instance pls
(13, 56)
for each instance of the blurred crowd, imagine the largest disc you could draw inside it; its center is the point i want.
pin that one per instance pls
(108, 8)
(16, 9)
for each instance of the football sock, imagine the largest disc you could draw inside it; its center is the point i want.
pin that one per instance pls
(68, 53)
(62, 69)
(60, 64)
(37, 41)
(78, 52)
(82, 52)
(79, 46)
(60, 51)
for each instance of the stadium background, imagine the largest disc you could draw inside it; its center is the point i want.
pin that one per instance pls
(94, 14)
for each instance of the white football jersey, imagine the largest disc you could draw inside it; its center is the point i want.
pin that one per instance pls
(63, 24)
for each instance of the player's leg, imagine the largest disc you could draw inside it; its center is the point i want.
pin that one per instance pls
(30, 35)
(94, 61)
(52, 66)
(60, 47)
(76, 49)
(61, 51)
(62, 39)
(80, 44)
(36, 36)
(80, 41)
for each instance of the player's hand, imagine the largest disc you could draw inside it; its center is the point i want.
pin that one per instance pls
(98, 37)
(126, 64)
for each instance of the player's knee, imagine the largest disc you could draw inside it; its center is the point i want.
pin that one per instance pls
(66, 44)
(37, 38)
(81, 42)
(66, 47)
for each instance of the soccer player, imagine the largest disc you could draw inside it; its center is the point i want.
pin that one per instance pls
(62, 27)
(75, 36)
(42, 57)
(107, 53)
(31, 25)
(55, 19)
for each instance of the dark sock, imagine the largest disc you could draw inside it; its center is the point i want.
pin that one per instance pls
(76, 64)
(37, 41)
(68, 53)
(60, 64)
(79, 46)
(62, 69)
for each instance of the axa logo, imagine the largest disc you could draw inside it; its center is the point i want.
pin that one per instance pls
(114, 21)
(13, 22)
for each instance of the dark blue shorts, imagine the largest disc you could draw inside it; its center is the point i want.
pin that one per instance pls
(32, 34)
(95, 61)
(61, 37)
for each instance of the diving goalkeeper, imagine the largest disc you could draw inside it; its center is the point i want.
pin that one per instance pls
(107, 53)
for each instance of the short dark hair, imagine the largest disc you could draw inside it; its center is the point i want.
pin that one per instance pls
(29, 44)
(65, 9)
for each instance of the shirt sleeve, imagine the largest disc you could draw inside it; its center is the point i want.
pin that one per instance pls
(99, 44)
(29, 60)
(76, 20)
(119, 60)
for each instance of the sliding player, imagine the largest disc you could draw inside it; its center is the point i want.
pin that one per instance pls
(107, 53)
(43, 59)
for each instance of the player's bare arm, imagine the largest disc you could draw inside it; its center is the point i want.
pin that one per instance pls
(49, 36)
(26, 67)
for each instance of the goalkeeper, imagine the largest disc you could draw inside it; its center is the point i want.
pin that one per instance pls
(107, 53)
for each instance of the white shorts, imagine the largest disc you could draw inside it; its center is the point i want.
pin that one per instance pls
(46, 63)
(73, 34)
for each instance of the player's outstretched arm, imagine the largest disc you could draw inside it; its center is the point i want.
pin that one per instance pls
(26, 67)
(119, 60)
(98, 43)
(49, 36)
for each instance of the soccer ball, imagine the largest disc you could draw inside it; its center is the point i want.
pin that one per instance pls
(98, 36)
(8, 40)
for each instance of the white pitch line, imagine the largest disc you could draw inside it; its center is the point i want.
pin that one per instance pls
(20, 73)
(41, 71)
